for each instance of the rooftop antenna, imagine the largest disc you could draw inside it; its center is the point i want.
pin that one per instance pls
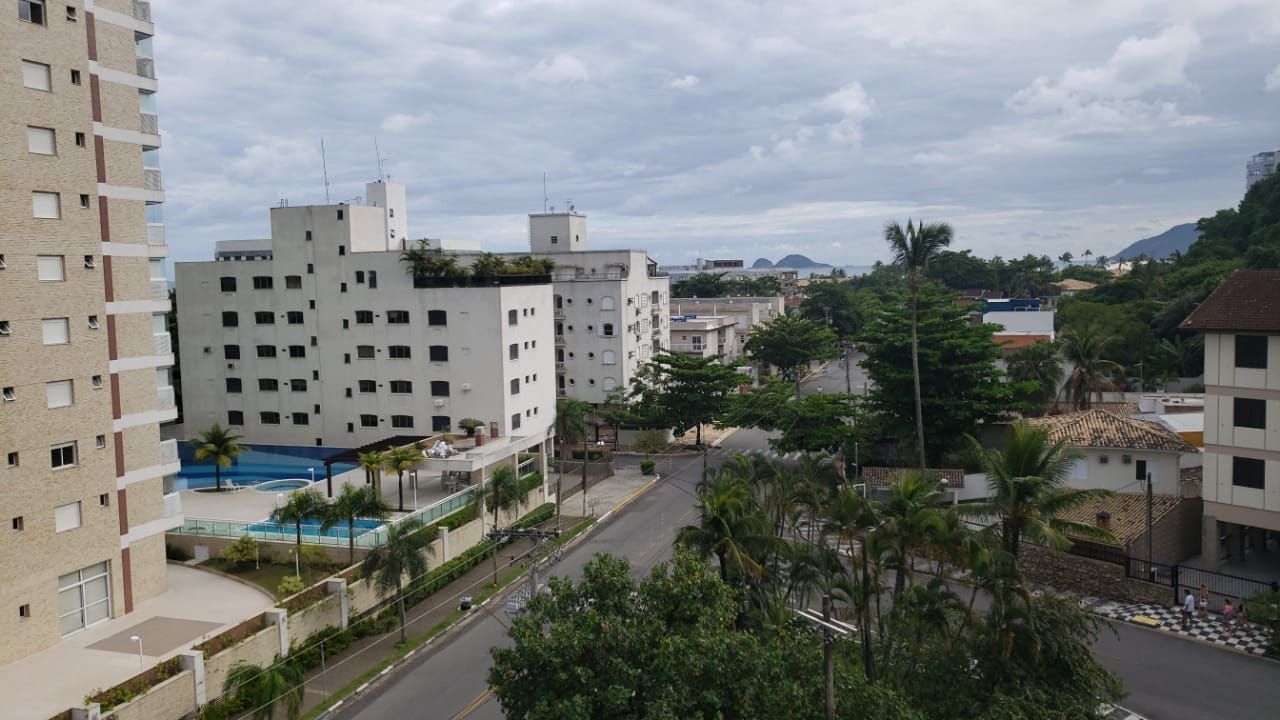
(569, 203)
(382, 176)
(325, 164)
(544, 191)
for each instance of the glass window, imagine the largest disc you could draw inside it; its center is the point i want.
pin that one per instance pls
(269, 418)
(367, 386)
(268, 384)
(234, 385)
(147, 104)
(66, 517)
(298, 385)
(401, 387)
(515, 421)
(515, 386)
(46, 205)
(440, 423)
(293, 282)
(513, 351)
(364, 352)
(230, 319)
(41, 141)
(36, 76)
(266, 351)
(397, 317)
(231, 352)
(606, 329)
(440, 388)
(58, 393)
(295, 317)
(297, 351)
(364, 317)
(398, 352)
(1248, 472)
(606, 303)
(300, 418)
(1251, 351)
(235, 417)
(151, 158)
(368, 421)
(438, 353)
(437, 317)
(1251, 413)
(63, 455)
(31, 11)
(227, 283)
(262, 282)
(608, 357)
(50, 268)
(56, 331)
(264, 317)
(401, 421)
(513, 317)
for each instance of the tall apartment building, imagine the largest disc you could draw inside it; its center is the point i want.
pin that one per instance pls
(611, 307)
(1241, 322)
(320, 336)
(1260, 167)
(84, 355)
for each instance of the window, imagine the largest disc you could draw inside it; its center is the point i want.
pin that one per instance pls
(231, 352)
(555, 239)
(364, 317)
(50, 268)
(295, 317)
(31, 11)
(235, 417)
(513, 351)
(71, 14)
(1250, 413)
(311, 269)
(298, 385)
(606, 303)
(266, 351)
(12, 459)
(610, 384)
(96, 382)
(268, 384)
(437, 317)
(513, 317)
(307, 237)
(297, 351)
(9, 394)
(438, 353)
(93, 322)
(234, 385)
(58, 394)
(400, 387)
(440, 388)
(230, 318)
(300, 418)
(399, 352)
(373, 278)
(1248, 472)
(40, 141)
(17, 523)
(1251, 351)
(104, 499)
(339, 214)
(342, 287)
(368, 421)
(292, 282)
(264, 317)
(46, 205)
(228, 284)
(5, 329)
(84, 203)
(515, 386)
(367, 386)
(346, 324)
(359, 277)
(262, 282)
(606, 329)
(515, 421)
(36, 76)
(24, 610)
(269, 418)
(63, 455)
(440, 423)
(75, 80)
(401, 421)
(364, 352)
(100, 441)
(66, 517)
(397, 317)
(56, 331)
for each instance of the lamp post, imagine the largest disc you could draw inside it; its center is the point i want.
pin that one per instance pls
(138, 639)
(297, 563)
(413, 483)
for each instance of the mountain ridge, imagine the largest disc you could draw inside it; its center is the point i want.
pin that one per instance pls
(1176, 239)
(790, 262)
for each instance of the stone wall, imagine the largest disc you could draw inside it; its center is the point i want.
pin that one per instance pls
(259, 649)
(172, 698)
(314, 618)
(1176, 536)
(1063, 571)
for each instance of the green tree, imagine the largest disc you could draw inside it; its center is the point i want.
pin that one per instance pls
(352, 503)
(400, 460)
(821, 422)
(730, 527)
(503, 495)
(488, 265)
(1039, 367)
(371, 462)
(220, 446)
(243, 550)
(701, 285)
(790, 343)
(682, 392)
(571, 430)
(403, 553)
(963, 271)
(1027, 490)
(835, 304)
(260, 689)
(1084, 347)
(912, 250)
(302, 505)
(911, 521)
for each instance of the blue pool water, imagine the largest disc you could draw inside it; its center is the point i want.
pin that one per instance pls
(259, 464)
(311, 528)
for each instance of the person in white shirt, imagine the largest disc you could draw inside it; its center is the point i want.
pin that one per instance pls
(1188, 609)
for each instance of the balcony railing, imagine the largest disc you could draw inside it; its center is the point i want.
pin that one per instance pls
(559, 313)
(168, 451)
(147, 68)
(165, 398)
(151, 179)
(172, 504)
(159, 289)
(149, 123)
(688, 347)
(155, 234)
(560, 366)
(561, 392)
(559, 339)
(164, 343)
(141, 10)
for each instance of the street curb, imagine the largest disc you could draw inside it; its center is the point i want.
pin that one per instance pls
(1180, 636)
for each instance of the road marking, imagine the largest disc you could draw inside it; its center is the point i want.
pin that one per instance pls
(474, 705)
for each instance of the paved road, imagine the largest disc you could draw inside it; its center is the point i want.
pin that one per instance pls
(830, 378)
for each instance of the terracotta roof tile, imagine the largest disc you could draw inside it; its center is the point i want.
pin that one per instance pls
(1074, 285)
(1123, 409)
(1248, 300)
(1128, 513)
(1102, 429)
(883, 476)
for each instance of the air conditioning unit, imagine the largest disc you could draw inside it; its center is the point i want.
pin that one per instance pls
(437, 402)
(465, 387)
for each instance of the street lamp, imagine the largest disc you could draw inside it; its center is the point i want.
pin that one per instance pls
(413, 483)
(138, 639)
(297, 566)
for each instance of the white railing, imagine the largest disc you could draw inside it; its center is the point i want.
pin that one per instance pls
(159, 289)
(687, 347)
(151, 179)
(168, 452)
(164, 343)
(560, 366)
(165, 398)
(172, 504)
(142, 10)
(147, 68)
(155, 234)
(149, 123)
(558, 313)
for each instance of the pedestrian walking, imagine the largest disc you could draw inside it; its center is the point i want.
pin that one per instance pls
(1188, 609)
(1204, 600)
(1228, 611)
(1240, 613)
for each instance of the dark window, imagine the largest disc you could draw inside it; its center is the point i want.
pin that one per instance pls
(311, 269)
(234, 385)
(364, 352)
(351, 427)
(368, 386)
(359, 277)
(1250, 413)
(348, 392)
(268, 384)
(308, 236)
(346, 324)
(401, 386)
(401, 421)
(364, 317)
(339, 214)
(368, 421)
(311, 304)
(440, 423)
(266, 351)
(300, 419)
(513, 317)
(397, 317)
(342, 249)
(264, 317)
(373, 279)
(230, 319)
(346, 358)
(262, 282)
(231, 352)
(315, 375)
(342, 287)
(1248, 472)
(437, 317)
(298, 385)
(297, 351)
(607, 329)
(292, 282)
(269, 418)
(440, 388)
(513, 351)
(228, 284)
(515, 421)
(235, 417)
(295, 317)
(399, 352)
(1251, 351)
(515, 386)
(31, 11)
(438, 353)
(63, 455)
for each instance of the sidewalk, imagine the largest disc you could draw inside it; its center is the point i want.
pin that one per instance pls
(1247, 638)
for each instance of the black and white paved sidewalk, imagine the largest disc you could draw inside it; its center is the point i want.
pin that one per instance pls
(1246, 637)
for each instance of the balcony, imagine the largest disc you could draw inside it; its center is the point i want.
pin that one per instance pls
(560, 340)
(141, 10)
(561, 392)
(559, 313)
(560, 366)
(159, 289)
(168, 452)
(147, 68)
(151, 179)
(164, 343)
(165, 398)
(149, 123)
(155, 234)
(695, 348)
(172, 505)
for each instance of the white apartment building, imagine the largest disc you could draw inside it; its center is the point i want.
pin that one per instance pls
(321, 336)
(1260, 167)
(704, 336)
(1241, 322)
(748, 313)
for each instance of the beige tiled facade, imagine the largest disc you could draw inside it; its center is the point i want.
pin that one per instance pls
(109, 420)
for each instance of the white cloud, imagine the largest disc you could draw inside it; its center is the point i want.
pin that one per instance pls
(560, 69)
(1273, 80)
(688, 82)
(402, 121)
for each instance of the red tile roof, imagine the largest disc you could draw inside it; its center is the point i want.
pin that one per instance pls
(1247, 301)
(883, 476)
(1014, 342)
(1101, 429)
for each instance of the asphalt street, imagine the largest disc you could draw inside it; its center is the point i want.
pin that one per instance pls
(830, 378)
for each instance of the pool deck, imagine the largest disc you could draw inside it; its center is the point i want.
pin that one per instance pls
(249, 505)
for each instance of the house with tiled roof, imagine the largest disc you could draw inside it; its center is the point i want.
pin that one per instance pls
(1175, 523)
(1119, 453)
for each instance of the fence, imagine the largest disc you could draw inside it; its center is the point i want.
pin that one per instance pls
(1181, 578)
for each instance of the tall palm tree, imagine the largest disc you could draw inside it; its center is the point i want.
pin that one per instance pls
(503, 488)
(259, 688)
(400, 460)
(1026, 484)
(1084, 346)
(221, 446)
(853, 521)
(403, 553)
(571, 429)
(1087, 255)
(354, 502)
(912, 519)
(371, 462)
(913, 248)
(302, 505)
(730, 527)
(1039, 363)
(1066, 258)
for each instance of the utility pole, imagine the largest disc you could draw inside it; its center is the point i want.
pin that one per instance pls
(585, 456)
(831, 630)
(1151, 571)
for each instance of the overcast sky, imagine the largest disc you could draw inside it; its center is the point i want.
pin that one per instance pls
(729, 129)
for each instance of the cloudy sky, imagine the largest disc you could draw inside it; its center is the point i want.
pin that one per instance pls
(730, 129)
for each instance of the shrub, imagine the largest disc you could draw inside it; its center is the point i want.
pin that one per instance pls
(315, 557)
(290, 585)
(1264, 609)
(470, 425)
(243, 550)
(173, 552)
(651, 440)
(646, 467)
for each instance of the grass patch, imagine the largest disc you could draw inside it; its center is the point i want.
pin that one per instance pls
(269, 575)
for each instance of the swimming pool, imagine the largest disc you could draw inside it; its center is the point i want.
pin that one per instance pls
(310, 529)
(260, 464)
(286, 485)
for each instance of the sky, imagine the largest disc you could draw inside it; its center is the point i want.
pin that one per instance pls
(721, 129)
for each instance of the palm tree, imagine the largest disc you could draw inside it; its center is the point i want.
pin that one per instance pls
(302, 505)
(730, 527)
(502, 496)
(1102, 261)
(403, 553)
(571, 429)
(853, 521)
(913, 248)
(400, 460)
(1083, 346)
(371, 462)
(912, 518)
(221, 446)
(1066, 258)
(1087, 255)
(1039, 363)
(259, 689)
(1026, 484)
(354, 502)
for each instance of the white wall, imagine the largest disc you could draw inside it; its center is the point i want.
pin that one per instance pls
(1090, 472)
(1037, 323)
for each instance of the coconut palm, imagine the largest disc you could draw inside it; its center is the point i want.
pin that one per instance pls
(399, 460)
(302, 505)
(1039, 363)
(354, 502)
(1066, 258)
(1084, 347)
(913, 248)
(1026, 484)
(503, 495)
(402, 553)
(259, 689)
(371, 463)
(219, 445)
(853, 521)
(571, 429)
(911, 519)
(730, 527)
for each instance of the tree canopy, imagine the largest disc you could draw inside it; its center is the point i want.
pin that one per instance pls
(790, 343)
(681, 392)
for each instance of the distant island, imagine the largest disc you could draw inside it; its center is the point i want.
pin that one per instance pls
(793, 261)
(1176, 239)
